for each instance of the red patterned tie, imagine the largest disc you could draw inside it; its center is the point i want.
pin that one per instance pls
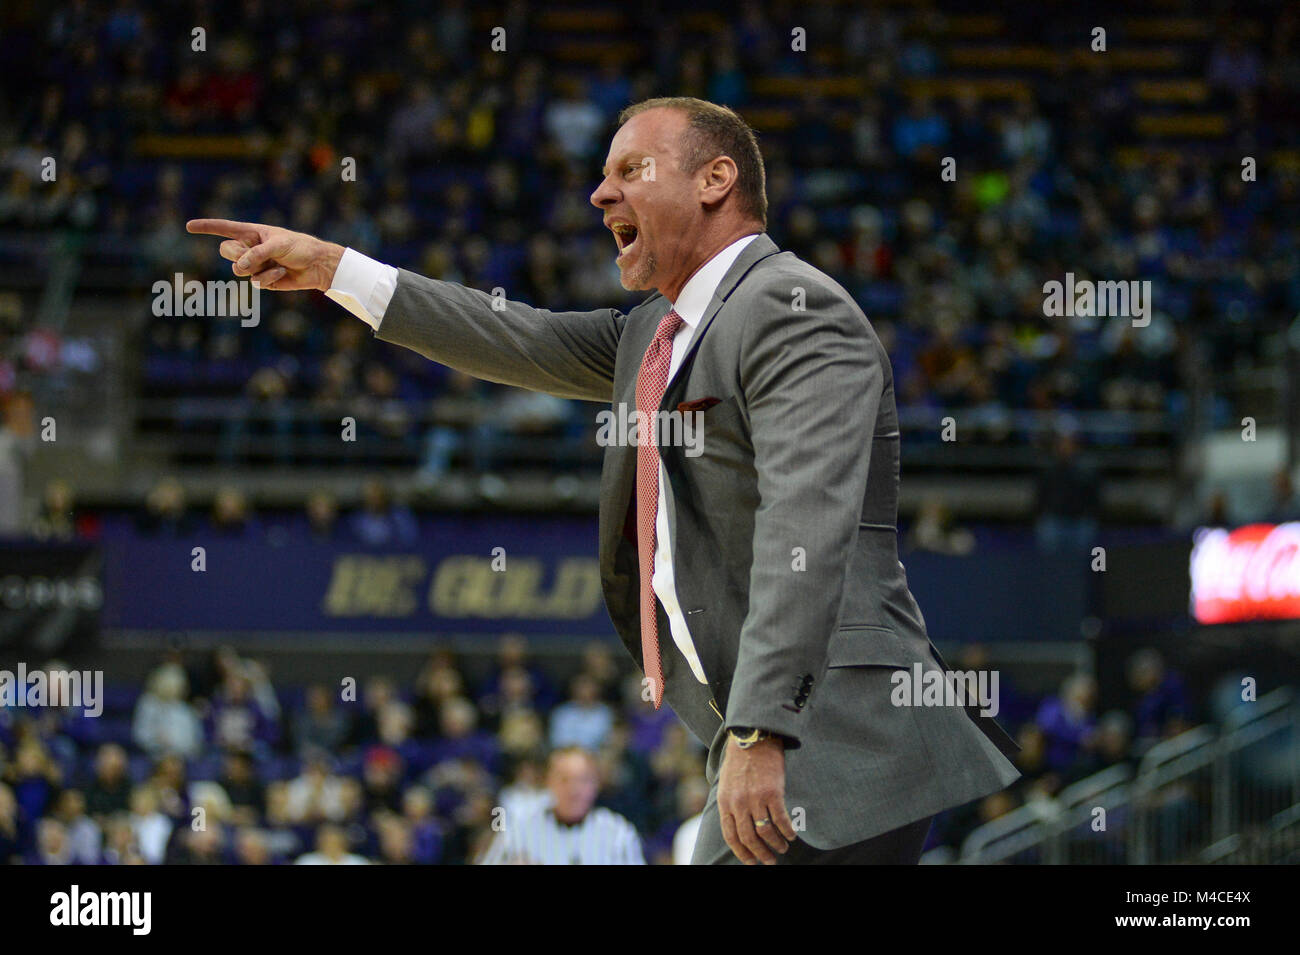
(650, 385)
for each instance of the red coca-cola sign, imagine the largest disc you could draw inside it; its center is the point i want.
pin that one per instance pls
(1252, 573)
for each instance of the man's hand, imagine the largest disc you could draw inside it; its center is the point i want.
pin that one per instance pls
(274, 258)
(751, 789)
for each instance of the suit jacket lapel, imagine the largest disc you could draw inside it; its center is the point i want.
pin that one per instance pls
(755, 252)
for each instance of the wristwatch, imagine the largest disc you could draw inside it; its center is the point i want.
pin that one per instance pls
(747, 736)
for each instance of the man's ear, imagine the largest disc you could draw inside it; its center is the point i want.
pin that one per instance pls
(720, 177)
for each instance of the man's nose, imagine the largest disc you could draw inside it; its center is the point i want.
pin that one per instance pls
(604, 195)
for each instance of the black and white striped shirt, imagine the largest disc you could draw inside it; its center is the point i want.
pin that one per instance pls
(538, 838)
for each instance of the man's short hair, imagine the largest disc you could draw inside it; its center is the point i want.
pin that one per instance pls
(713, 131)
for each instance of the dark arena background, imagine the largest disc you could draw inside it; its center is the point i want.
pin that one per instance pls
(344, 600)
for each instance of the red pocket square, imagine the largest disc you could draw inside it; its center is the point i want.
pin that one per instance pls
(699, 404)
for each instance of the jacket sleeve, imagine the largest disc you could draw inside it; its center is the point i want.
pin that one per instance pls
(812, 382)
(566, 354)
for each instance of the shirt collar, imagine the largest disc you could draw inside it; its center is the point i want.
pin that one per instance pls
(698, 291)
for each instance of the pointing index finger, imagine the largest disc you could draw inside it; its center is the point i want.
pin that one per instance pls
(245, 231)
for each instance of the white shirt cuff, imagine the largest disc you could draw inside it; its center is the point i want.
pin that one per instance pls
(363, 286)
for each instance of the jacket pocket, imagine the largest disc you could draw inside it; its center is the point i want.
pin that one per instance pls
(858, 645)
(712, 410)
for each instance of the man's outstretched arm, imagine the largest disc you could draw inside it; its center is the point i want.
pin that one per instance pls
(568, 354)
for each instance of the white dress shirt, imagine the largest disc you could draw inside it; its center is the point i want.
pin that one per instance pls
(365, 287)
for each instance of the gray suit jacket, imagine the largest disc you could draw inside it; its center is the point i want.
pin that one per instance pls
(783, 529)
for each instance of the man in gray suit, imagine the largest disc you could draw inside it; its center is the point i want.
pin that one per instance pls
(757, 583)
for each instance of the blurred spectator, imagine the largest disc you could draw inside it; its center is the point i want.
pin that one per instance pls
(462, 739)
(204, 846)
(381, 522)
(322, 516)
(1113, 745)
(52, 844)
(567, 831)
(526, 789)
(83, 837)
(164, 722)
(164, 511)
(1068, 499)
(321, 724)
(381, 780)
(426, 831)
(244, 789)
(230, 512)
(439, 681)
(376, 693)
(599, 663)
(512, 655)
(463, 794)
(120, 844)
(573, 121)
(396, 840)
(920, 131)
(1068, 723)
(168, 779)
(251, 848)
(1160, 708)
(149, 826)
(457, 428)
(585, 720)
(692, 796)
(1284, 505)
(521, 733)
(35, 779)
(331, 849)
(1032, 758)
(10, 834)
(58, 518)
(109, 792)
(238, 720)
(318, 795)
(15, 445)
(935, 530)
(627, 783)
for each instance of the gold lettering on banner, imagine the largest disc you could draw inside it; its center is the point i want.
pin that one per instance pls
(468, 587)
(366, 586)
(577, 592)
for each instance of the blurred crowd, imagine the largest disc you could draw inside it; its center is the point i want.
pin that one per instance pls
(475, 166)
(371, 770)
(210, 762)
(1065, 738)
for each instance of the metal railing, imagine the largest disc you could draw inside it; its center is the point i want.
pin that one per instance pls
(1203, 796)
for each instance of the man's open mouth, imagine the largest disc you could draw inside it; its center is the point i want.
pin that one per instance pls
(625, 234)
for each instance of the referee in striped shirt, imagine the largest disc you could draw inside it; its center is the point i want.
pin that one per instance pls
(566, 830)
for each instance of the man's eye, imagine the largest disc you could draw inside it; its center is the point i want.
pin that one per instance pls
(632, 167)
